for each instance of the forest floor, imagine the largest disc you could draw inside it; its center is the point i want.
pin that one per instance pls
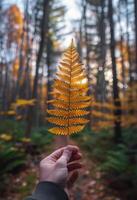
(89, 186)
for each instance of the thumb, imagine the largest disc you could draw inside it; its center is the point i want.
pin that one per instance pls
(65, 157)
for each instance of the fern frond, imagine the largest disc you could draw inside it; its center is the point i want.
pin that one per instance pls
(64, 64)
(78, 121)
(59, 113)
(76, 66)
(63, 77)
(58, 131)
(60, 83)
(76, 129)
(69, 95)
(67, 60)
(65, 121)
(78, 113)
(79, 98)
(79, 105)
(77, 72)
(58, 121)
(66, 131)
(61, 89)
(64, 70)
(72, 99)
(78, 92)
(79, 86)
(59, 104)
(79, 78)
(63, 97)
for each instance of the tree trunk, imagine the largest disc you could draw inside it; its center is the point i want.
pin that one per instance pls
(101, 83)
(121, 53)
(5, 98)
(48, 62)
(131, 111)
(135, 10)
(117, 103)
(86, 38)
(21, 56)
(31, 110)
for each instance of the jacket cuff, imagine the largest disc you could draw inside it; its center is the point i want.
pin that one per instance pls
(48, 190)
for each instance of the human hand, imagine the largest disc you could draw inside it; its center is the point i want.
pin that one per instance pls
(61, 166)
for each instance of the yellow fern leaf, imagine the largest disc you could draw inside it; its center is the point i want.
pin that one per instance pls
(75, 97)
(67, 60)
(58, 121)
(61, 82)
(75, 59)
(76, 66)
(79, 78)
(63, 97)
(67, 55)
(78, 92)
(79, 86)
(66, 122)
(76, 72)
(78, 121)
(78, 113)
(79, 98)
(59, 131)
(69, 95)
(64, 70)
(66, 131)
(61, 89)
(64, 64)
(63, 77)
(76, 129)
(59, 104)
(75, 56)
(79, 105)
(60, 113)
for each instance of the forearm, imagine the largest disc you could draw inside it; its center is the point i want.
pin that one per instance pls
(48, 191)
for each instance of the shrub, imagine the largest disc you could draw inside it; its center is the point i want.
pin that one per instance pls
(41, 138)
(10, 160)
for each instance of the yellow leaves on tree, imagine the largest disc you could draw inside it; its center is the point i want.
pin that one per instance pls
(15, 68)
(69, 95)
(8, 113)
(103, 113)
(6, 137)
(15, 24)
(20, 103)
(24, 102)
(123, 48)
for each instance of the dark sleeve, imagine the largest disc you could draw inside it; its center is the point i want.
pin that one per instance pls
(48, 191)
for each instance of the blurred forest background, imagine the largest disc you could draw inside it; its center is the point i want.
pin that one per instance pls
(33, 35)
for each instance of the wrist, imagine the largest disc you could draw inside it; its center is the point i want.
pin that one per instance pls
(54, 189)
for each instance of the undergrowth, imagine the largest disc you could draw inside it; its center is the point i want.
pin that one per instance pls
(118, 162)
(16, 150)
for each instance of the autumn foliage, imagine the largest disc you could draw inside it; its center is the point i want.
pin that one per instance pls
(69, 95)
